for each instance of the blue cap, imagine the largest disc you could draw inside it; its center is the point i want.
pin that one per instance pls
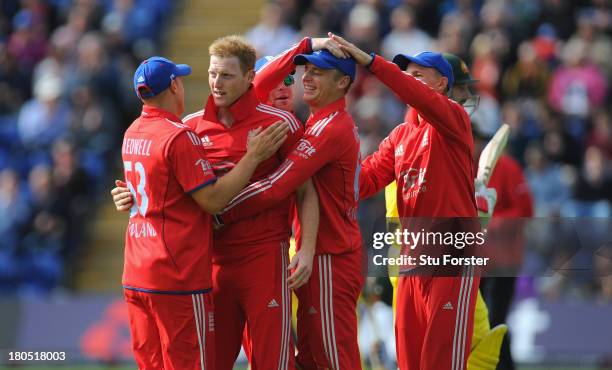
(155, 74)
(326, 60)
(427, 59)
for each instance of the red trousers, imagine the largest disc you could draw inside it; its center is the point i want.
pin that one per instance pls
(251, 287)
(171, 331)
(434, 321)
(327, 317)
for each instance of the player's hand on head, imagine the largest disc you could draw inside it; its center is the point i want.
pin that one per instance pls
(122, 196)
(301, 264)
(263, 144)
(331, 46)
(360, 56)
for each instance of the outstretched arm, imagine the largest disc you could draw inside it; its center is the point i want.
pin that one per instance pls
(448, 117)
(311, 153)
(214, 193)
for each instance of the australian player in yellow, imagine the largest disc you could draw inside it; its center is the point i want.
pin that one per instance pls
(486, 342)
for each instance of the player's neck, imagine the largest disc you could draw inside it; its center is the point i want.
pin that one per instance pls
(224, 115)
(165, 105)
(314, 108)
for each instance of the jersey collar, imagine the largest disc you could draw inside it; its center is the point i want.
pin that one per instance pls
(415, 119)
(338, 105)
(154, 112)
(241, 109)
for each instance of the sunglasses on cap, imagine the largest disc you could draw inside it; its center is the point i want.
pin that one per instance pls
(289, 80)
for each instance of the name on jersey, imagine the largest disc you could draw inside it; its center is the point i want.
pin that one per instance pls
(137, 147)
(305, 149)
(141, 230)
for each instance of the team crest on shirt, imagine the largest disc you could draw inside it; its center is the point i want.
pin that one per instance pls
(414, 182)
(204, 165)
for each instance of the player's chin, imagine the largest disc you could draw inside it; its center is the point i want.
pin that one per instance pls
(309, 96)
(283, 104)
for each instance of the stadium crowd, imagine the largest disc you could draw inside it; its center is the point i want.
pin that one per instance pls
(65, 98)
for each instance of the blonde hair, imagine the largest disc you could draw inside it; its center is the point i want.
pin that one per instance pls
(235, 46)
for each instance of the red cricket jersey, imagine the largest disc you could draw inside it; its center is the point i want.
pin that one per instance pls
(430, 155)
(329, 153)
(513, 195)
(168, 239)
(224, 147)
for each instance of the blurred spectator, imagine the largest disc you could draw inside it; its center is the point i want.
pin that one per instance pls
(454, 34)
(594, 182)
(405, 37)
(72, 188)
(598, 43)
(13, 211)
(362, 27)
(601, 135)
(271, 35)
(14, 83)
(528, 77)
(560, 14)
(27, 43)
(549, 185)
(486, 67)
(546, 44)
(45, 117)
(577, 86)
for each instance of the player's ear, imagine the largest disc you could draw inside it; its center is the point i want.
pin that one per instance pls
(443, 85)
(173, 86)
(250, 75)
(344, 82)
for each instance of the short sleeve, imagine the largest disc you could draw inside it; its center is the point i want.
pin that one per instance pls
(188, 162)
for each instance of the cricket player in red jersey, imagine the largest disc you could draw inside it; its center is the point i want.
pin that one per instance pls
(329, 153)
(250, 258)
(430, 157)
(167, 271)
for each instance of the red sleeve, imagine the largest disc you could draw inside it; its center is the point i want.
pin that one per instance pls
(448, 117)
(188, 162)
(378, 169)
(311, 153)
(278, 68)
(296, 132)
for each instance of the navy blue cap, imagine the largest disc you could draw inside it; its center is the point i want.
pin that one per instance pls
(427, 59)
(155, 74)
(326, 60)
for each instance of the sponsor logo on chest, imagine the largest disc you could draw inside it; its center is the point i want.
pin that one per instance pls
(305, 149)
